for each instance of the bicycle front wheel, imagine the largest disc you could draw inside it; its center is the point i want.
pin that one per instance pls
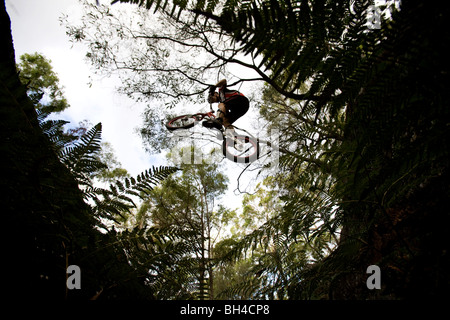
(181, 122)
(241, 149)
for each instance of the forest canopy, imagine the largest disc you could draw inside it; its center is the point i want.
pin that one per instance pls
(362, 108)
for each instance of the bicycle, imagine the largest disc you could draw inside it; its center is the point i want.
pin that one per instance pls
(235, 147)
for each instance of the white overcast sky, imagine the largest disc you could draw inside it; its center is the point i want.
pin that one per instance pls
(36, 28)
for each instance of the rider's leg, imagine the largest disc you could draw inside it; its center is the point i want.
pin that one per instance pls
(223, 115)
(218, 122)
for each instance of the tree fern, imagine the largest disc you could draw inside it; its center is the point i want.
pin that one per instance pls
(53, 129)
(81, 157)
(118, 198)
(371, 129)
(162, 257)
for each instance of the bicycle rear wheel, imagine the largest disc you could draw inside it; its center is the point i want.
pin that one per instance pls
(241, 149)
(181, 122)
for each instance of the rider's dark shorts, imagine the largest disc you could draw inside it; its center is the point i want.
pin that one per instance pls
(236, 107)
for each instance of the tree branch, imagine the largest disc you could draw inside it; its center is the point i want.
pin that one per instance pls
(264, 76)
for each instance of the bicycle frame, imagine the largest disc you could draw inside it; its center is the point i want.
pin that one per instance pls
(210, 114)
(231, 141)
(202, 115)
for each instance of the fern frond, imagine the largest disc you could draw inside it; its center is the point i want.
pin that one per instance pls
(118, 199)
(83, 152)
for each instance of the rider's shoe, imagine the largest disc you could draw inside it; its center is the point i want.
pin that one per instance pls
(216, 123)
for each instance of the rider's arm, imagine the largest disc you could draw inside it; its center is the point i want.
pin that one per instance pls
(221, 83)
(214, 97)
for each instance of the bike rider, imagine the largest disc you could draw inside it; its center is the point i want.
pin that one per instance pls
(232, 105)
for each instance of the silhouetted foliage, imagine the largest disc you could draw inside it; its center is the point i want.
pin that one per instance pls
(365, 115)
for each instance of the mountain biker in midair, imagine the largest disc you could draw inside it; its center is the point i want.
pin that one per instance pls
(232, 105)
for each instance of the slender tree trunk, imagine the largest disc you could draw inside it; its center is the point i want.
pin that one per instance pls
(202, 257)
